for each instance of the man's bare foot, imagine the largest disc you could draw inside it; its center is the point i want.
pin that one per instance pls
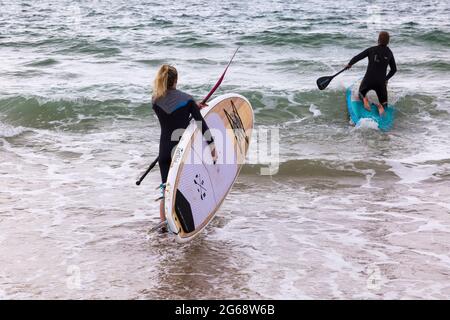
(366, 104)
(380, 110)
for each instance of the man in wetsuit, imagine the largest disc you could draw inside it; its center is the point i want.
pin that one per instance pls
(380, 57)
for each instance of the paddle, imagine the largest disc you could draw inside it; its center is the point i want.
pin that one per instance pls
(323, 82)
(204, 101)
(152, 165)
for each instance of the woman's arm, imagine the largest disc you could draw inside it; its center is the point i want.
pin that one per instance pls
(195, 111)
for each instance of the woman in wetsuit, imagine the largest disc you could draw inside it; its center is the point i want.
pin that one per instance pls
(174, 109)
(380, 57)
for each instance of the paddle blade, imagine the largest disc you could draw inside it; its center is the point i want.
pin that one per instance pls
(323, 82)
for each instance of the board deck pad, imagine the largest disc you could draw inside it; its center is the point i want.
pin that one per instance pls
(196, 187)
(357, 111)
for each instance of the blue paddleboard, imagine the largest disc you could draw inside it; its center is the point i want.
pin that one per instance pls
(357, 111)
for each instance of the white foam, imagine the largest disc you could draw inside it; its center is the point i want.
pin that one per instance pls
(314, 110)
(8, 131)
(369, 173)
(412, 172)
(366, 123)
(3, 295)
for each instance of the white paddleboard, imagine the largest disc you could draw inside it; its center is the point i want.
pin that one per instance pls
(196, 187)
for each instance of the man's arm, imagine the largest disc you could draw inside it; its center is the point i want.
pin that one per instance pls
(358, 57)
(393, 68)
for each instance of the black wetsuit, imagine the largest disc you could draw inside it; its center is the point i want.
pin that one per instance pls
(380, 57)
(174, 111)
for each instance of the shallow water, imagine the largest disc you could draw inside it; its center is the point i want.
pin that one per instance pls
(350, 213)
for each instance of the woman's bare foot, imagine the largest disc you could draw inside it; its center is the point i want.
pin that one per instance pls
(366, 104)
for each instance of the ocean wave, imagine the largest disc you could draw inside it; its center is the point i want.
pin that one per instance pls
(285, 106)
(152, 62)
(155, 23)
(103, 47)
(319, 168)
(67, 45)
(159, 62)
(434, 65)
(186, 41)
(42, 63)
(436, 36)
(306, 39)
(79, 114)
(281, 108)
(419, 37)
(328, 108)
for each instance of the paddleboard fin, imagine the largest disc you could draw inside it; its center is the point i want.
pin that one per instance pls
(184, 212)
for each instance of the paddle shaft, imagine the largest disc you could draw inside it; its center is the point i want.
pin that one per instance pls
(323, 82)
(204, 101)
(339, 73)
(152, 165)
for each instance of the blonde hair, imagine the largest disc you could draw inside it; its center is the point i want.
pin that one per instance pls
(165, 78)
